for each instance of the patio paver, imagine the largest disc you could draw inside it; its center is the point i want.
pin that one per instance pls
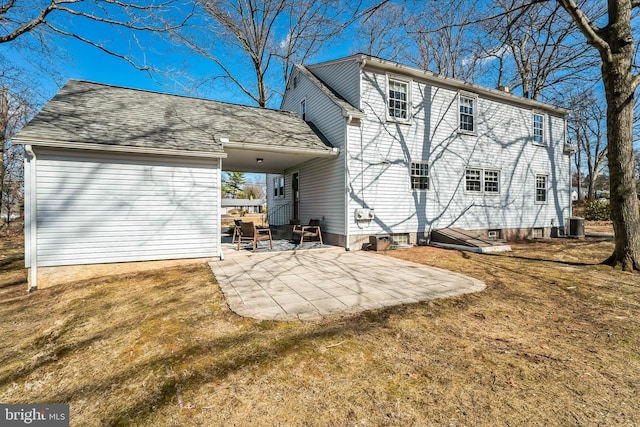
(308, 285)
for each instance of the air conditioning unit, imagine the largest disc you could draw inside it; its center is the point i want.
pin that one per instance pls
(364, 214)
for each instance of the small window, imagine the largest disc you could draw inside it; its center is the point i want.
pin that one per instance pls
(541, 189)
(295, 82)
(538, 129)
(303, 109)
(491, 181)
(538, 233)
(419, 176)
(472, 180)
(278, 186)
(398, 101)
(467, 105)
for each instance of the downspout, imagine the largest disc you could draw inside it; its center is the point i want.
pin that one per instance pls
(33, 220)
(346, 186)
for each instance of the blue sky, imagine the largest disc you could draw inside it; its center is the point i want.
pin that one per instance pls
(186, 73)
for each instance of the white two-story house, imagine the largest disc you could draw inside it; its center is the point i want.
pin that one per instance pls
(419, 152)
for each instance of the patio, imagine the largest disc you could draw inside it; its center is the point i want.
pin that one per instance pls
(292, 285)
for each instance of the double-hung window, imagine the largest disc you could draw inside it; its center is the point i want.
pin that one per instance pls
(467, 106)
(538, 129)
(278, 186)
(491, 181)
(419, 176)
(541, 188)
(473, 182)
(478, 180)
(398, 100)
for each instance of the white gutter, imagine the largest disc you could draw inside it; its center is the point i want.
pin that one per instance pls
(118, 148)
(33, 219)
(459, 84)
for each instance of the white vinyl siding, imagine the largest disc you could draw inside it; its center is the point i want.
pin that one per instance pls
(94, 208)
(380, 165)
(342, 76)
(321, 181)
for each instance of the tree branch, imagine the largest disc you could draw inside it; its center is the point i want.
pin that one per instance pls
(98, 46)
(38, 20)
(588, 28)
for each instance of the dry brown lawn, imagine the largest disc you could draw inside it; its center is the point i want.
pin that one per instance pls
(553, 340)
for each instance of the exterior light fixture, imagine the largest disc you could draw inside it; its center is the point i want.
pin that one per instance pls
(259, 160)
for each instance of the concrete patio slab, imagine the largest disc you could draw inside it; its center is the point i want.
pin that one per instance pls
(312, 284)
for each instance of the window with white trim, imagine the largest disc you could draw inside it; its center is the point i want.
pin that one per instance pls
(303, 110)
(541, 188)
(419, 176)
(473, 180)
(478, 180)
(398, 100)
(491, 181)
(278, 186)
(467, 106)
(538, 129)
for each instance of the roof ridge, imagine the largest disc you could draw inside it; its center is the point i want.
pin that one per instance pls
(157, 92)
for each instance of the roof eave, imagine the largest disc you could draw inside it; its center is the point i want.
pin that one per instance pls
(459, 84)
(327, 152)
(75, 145)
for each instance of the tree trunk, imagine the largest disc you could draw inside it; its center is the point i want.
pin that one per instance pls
(619, 91)
(4, 122)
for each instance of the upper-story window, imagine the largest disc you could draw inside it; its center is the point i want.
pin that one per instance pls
(398, 100)
(467, 106)
(303, 109)
(538, 128)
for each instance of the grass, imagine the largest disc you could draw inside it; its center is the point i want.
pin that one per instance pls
(553, 340)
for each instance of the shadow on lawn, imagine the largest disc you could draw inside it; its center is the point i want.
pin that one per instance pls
(215, 359)
(234, 356)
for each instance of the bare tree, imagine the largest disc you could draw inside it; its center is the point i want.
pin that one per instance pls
(538, 45)
(382, 33)
(451, 51)
(614, 42)
(587, 127)
(262, 33)
(34, 26)
(4, 123)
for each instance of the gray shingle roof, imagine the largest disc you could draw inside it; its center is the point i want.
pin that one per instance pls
(93, 113)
